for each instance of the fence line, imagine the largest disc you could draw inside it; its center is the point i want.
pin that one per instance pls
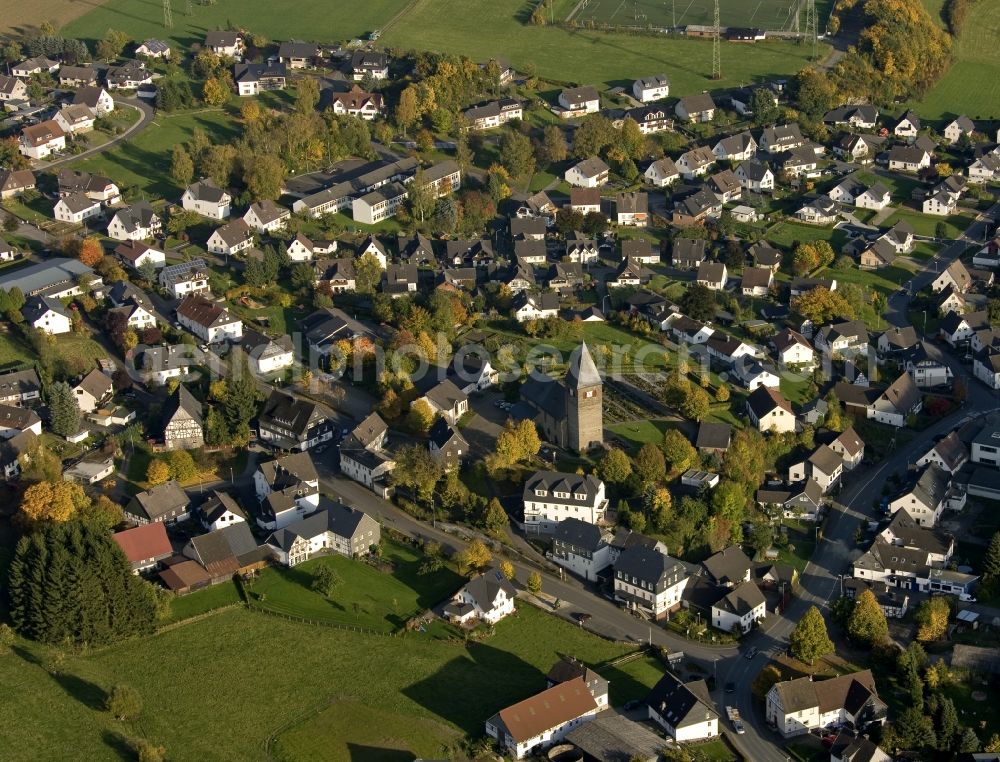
(320, 623)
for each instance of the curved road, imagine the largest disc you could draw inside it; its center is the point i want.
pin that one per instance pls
(146, 115)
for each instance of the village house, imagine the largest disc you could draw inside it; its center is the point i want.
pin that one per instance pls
(651, 119)
(144, 546)
(925, 364)
(129, 76)
(20, 387)
(695, 163)
(266, 216)
(207, 199)
(209, 321)
(14, 182)
(793, 350)
(695, 108)
(579, 101)
(287, 489)
(12, 89)
(231, 238)
(78, 76)
(949, 454)
(781, 138)
(355, 102)
(544, 719)
(739, 609)
(846, 338)
(736, 148)
(928, 497)
(488, 597)
(362, 456)
(334, 529)
(447, 400)
(648, 580)
(549, 497)
(220, 510)
(684, 710)
(137, 222)
(76, 208)
(39, 141)
(185, 278)
(768, 410)
(632, 209)
(653, 88)
(798, 706)
(182, 421)
(92, 391)
(18, 420)
(580, 547)
(494, 114)
(859, 117)
(291, 423)
(712, 275)
(589, 173)
(166, 503)
(955, 275)
(824, 466)
(254, 79)
(36, 65)
(153, 49)
(225, 43)
(958, 127)
(47, 314)
(266, 355)
(136, 254)
(446, 445)
(822, 210)
(97, 99)
(687, 253)
(75, 119)
(661, 173)
(296, 54)
(908, 126)
(369, 63)
(755, 176)
(696, 208)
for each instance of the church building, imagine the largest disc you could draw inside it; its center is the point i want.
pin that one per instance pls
(569, 413)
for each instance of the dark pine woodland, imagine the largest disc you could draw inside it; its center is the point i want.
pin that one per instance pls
(70, 583)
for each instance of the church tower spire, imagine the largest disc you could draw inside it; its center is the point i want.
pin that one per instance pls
(584, 404)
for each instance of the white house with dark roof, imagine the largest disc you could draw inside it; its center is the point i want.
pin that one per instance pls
(958, 127)
(797, 706)
(768, 410)
(76, 208)
(662, 173)
(578, 101)
(136, 254)
(134, 223)
(589, 173)
(488, 597)
(47, 314)
(231, 238)
(75, 119)
(334, 529)
(92, 391)
(684, 710)
(207, 199)
(447, 445)
(740, 608)
(824, 466)
(266, 355)
(165, 502)
(653, 88)
(362, 454)
(185, 278)
(287, 488)
(39, 141)
(755, 176)
(648, 580)
(153, 48)
(97, 99)
(292, 423)
(581, 547)
(266, 216)
(15, 420)
(225, 43)
(695, 108)
(928, 497)
(220, 511)
(549, 497)
(447, 400)
(949, 454)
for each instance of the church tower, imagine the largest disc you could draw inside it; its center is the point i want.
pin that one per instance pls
(584, 404)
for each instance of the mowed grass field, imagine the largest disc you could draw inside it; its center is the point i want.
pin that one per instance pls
(242, 686)
(584, 56)
(318, 20)
(764, 14)
(143, 162)
(972, 84)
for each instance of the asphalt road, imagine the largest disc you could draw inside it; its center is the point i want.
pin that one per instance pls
(146, 114)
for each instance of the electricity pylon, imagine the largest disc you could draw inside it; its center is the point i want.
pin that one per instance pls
(716, 52)
(168, 15)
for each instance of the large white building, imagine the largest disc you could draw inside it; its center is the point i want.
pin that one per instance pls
(550, 497)
(798, 706)
(287, 488)
(648, 580)
(684, 710)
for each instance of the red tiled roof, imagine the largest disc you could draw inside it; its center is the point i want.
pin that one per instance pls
(146, 541)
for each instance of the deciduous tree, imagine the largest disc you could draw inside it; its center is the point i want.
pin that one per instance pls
(650, 464)
(615, 467)
(157, 472)
(90, 252)
(809, 640)
(867, 623)
(534, 584)
(124, 702)
(475, 557)
(679, 451)
(932, 619)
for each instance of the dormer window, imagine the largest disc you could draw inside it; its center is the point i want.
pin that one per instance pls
(580, 496)
(540, 493)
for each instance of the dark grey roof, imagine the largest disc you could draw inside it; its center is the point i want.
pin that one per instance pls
(44, 275)
(571, 484)
(649, 566)
(442, 435)
(578, 534)
(681, 704)
(36, 306)
(484, 588)
(217, 504)
(728, 566)
(741, 600)
(182, 399)
(714, 436)
(207, 190)
(19, 383)
(289, 413)
(611, 737)
(224, 546)
(159, 501)
(337, 519)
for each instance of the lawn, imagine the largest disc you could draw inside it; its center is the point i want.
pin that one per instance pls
(801, 544)
(12, 350)
(143, 162)
(926, 224)
(312, 20)
(766, 14)
(366, 597)
(640, 432)
(972, 84)
(583, 56)
(788, 233)
(900, 186)
(221, 688)
(204, 600)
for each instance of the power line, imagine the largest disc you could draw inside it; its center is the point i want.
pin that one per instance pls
(716, 52)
